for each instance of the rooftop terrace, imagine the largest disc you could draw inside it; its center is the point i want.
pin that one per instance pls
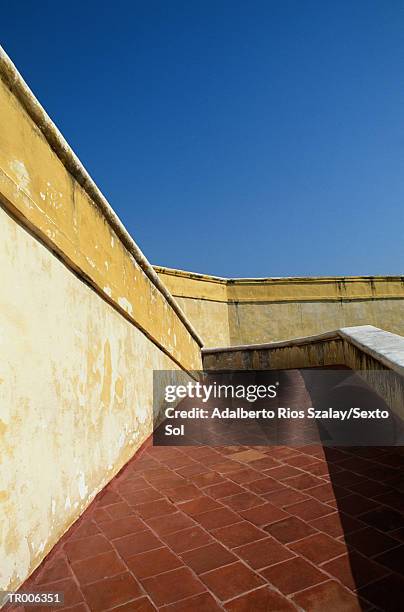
(239, 528)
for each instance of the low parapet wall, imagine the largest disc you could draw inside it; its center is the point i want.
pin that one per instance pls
(365, 349)
(84, 321)
(256, 310)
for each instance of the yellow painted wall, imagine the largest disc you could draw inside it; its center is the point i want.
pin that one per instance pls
(84, 322)
(76, 398)
(36, 186)
(266, 310)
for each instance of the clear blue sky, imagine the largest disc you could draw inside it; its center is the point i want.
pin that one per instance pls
(232, 138)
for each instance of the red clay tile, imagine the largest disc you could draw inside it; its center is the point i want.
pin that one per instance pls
(394, 499)
(301, 461)
(356, 504)
(371, 542)
(309, 509)
(260, 600)
(101, 514)
(52, 570)
(80, 607)
(393, 559)
(285, 497)
(384, 519)
(263, 553)
(153, 562)
(86, 547)
(293, 575)
(202, 603)
(177, 462)
(244, 476)
(265, 485)
(98, 567)
(263, 464)
(302, 482)
(106, 497)
(231, 580)
(135, 498)
(238, 534)
(159, 473)
(319, 548)
(111, 592)
(337, 524)
(119, 510)
(318, 469)
(190, 538)
(371, 488)
(192, 470)
(68, 587)
(136, 543)
(135, 483)
(181, 494)
(346, 479)
(243, 501)
(155, 508)
(329, 596)
(264, 514)
(324, 492)
(165, 484)
(281, 452)
(207, 558)
(85, 528)
(289, 530)
(354, 570)
(224, 489)
(386, 594)
(203, 452)
(248, 455)
(170, 523)
(143, 604)
(226, 467)
(172, 586)
(217, 518)
(122, 526)
(206, 479)
(214, 460)
(198, 505)
(282, 472)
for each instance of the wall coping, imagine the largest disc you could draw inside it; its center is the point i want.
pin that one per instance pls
(384, 346)
(275, 279)
(12, 78)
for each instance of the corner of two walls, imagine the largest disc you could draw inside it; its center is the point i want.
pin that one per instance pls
(230, 312)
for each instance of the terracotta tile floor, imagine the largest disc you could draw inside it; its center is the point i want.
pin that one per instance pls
(239, 529)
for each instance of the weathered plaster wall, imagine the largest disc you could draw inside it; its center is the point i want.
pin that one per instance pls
(265, 321)
(76, 398)
(84, 321)
(266, 310)
(38, 188)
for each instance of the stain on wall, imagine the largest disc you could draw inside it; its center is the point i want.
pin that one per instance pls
(76, 398)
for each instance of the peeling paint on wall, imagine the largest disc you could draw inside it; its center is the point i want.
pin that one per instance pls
(76, 379)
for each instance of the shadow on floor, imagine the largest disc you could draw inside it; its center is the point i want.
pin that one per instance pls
(368, 485)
